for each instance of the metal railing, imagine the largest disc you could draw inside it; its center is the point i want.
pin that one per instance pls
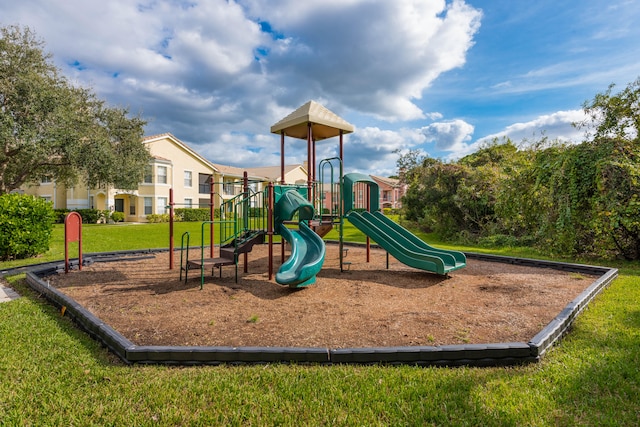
(242, 214)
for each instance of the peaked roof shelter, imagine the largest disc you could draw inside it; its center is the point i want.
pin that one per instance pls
(312, 122)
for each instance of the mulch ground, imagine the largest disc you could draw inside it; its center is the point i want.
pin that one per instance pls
(366, 306)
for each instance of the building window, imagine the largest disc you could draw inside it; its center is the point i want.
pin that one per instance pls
(148, 205)
(228, 188)
(188, 203)
(148, 174)
(162, 205)
(204, 183)
(45, 180)
(162, 174)
(132, 208)
(187, 179)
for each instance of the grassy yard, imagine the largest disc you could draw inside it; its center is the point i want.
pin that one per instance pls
(53, 374)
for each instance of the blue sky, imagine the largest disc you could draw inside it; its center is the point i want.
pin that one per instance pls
(439, 76)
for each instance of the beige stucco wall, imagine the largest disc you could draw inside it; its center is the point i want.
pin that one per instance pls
(296, 176)
(181, 160)
(167, 152)
(47, 191)
(60, 197)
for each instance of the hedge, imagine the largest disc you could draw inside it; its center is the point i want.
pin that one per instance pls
(26, 224)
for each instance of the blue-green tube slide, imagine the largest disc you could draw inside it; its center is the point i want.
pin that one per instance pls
(307, 248)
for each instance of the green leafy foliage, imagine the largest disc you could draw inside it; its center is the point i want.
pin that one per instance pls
(257, 212)
(614, 116)
(455, 198)
(50, 128)
(574, 199)
(117, 216)
(156, 218)
(616, 218)
(90, 216)
(194, 214)
(59, 215)
(26, 224)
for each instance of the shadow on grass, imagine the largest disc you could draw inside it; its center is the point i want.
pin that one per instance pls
(50, 335)
(605, 346)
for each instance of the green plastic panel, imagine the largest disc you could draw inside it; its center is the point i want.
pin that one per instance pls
(374, 190)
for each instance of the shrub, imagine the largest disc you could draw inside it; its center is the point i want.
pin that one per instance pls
(59, 215)
(26, 223)
(117, 216)
(192, 214)
(155, 218)
(89, 216)
(104, 216)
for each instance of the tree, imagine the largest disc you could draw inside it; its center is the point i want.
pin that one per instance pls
(614, 124)
(614, 116)
(50, 128)
(407, 164)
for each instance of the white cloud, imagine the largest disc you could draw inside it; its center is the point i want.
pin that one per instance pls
(450, 135)
(211, 74)
(557, 125)
(212, 61)
(455, 136)
(221, 72)
(373, 57)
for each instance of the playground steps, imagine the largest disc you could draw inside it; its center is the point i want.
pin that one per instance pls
(228, 254)
(321, 228)
(323, 225)
(211, 262)
(242, 244)
(219, 262)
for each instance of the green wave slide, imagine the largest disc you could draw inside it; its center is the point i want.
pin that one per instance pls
(307, 248)
(405, 246)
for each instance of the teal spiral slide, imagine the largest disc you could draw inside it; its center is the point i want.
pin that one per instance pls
(307, 248)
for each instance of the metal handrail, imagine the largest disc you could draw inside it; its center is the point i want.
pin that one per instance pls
(239, 208)
(188, 235)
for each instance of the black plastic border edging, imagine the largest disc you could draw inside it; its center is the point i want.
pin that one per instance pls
(494, 354)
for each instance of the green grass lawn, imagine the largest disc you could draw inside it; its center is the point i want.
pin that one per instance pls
(120, 237)
(51, 373)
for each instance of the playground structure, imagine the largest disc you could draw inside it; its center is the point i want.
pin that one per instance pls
(302, 214)
(282, 206)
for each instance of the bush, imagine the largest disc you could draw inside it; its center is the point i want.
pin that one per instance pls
(59, 215)
(89, 216)
(193, 214)
(117, 216)
(26, 223)
(155, 218)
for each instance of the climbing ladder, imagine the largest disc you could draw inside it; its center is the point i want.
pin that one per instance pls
(326, 197)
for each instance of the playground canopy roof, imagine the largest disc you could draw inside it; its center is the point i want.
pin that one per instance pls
(324, 123)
